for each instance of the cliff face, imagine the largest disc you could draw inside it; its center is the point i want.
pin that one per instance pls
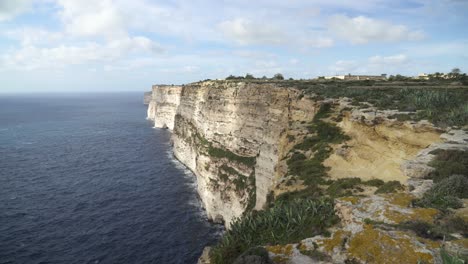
(231, 135)
(236, 137)
(163, 105)
(147, 97)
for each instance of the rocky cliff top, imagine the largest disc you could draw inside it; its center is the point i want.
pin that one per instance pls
(390, 160)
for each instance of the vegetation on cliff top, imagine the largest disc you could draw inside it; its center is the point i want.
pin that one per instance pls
(281, 224)
(443, 107)
(450, 176)
(444, 102)
(311, 170)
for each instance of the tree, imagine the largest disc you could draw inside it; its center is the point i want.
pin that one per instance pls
(455, 73)
(249, 76)
(278, 76)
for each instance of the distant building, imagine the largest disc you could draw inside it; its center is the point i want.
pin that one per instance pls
(423, 76)
(341, 77)
(350, 77)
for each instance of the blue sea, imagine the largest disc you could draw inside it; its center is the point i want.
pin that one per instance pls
(84, 178)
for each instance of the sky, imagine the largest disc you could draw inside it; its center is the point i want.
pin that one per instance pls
(128, 45)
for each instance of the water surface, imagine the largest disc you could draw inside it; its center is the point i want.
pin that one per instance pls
(85, 179)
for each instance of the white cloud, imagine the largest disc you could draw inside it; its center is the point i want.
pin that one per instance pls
(361, 30)
(30, 57)
(91, 18)
(372, 65)
(32, 35)
(343, 66)
(319, 42)
(244, 32)
(248, 32)
(12, 8)
(452, 48)
(395, 59)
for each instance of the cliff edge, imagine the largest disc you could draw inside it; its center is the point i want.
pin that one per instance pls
(372, 154)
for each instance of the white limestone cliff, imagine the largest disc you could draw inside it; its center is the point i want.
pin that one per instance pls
(230, 135)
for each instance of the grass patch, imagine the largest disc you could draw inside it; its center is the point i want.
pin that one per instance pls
(447, 163)
(312, 171)
(389, 187)
(443, 107)
(282, 224)
(346, 186)
(312, 191)
(252, 199)
(343, 187)
(254, 255)
(425, 230)
(223, 153)
(450, 176)
(450, 259)
(446, 193)
(375, 182)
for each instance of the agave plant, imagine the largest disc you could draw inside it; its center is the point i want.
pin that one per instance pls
(286, 222)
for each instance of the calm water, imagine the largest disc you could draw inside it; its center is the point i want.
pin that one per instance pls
(85, 179)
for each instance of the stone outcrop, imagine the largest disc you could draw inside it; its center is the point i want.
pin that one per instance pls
(417, 169)
(361, 240)
(163, 105)
(147, 97)
(231, 136)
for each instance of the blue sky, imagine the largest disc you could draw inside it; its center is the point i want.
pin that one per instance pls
(128, 45)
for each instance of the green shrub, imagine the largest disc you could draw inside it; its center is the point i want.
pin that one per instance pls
(389, 187)
(223, 153)
(455, 185)
(444, 107)
(374, 182)
(342, 187)
(312, 171)
(446, 193)
(312, 191)
(254, 255)
(291, 138)
(283, 223)
(424, 230)
(449, 259)
(323, 112)
(439, 202)
(455, 224)
(327, 132)
(447, 163)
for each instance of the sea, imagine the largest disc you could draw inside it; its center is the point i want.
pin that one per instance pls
(85, 178)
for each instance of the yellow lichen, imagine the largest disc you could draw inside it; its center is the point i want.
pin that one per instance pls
(401, 199)
(424, 214)
(302, 247)
(279, 249)
(336, 240)
(417, 214)
(375, 246)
